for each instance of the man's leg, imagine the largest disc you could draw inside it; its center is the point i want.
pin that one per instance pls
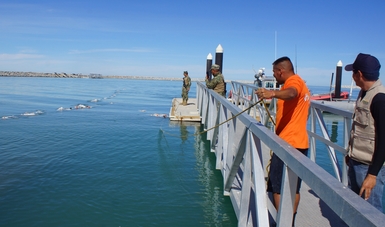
(275, 181)
(186, 97)
(184, 94)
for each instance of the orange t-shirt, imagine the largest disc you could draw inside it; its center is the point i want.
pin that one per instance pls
(292, 114)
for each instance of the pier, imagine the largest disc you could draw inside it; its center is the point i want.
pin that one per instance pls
(243, 147)
(178, 112)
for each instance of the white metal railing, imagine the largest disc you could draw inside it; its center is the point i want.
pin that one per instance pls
(243, 95)
(316, 118)
(238, 147)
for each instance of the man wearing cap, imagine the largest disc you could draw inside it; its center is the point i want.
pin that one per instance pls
(366, 151)
(186, 87)
(218, 82)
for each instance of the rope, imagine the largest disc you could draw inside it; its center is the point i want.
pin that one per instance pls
(271, 151)
(268, 112)
(216, 126)
(269, 115)
(232, 117)
(204, 131)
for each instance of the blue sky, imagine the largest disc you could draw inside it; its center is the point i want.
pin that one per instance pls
(164, 38)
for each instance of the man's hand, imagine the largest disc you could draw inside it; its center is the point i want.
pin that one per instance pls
(263, 93)
(368, 185)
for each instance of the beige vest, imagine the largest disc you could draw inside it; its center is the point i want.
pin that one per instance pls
(362, 135)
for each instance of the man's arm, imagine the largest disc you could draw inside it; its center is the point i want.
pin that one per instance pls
(213, 83)
(189, 82)
(286, 94)
(377, 109)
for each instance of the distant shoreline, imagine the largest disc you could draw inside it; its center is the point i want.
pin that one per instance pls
(94, 76)
(99, 76)
(81, 76)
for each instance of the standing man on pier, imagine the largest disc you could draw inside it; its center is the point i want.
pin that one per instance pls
(218, 82)
(186, 87)
(366, 152)
(292, 113)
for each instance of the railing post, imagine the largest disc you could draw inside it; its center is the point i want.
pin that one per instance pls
(312, 141)
(259, 179)
(288, 193)
(246, 183)
(347, 128)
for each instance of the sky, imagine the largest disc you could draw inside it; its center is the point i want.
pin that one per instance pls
(163, 38)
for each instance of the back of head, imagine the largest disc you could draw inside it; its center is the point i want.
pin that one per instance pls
(284, 63)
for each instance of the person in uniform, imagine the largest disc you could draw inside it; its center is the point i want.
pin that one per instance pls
(218, 82)
(186, 87)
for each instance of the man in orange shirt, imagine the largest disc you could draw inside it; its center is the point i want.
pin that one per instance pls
(292, 113)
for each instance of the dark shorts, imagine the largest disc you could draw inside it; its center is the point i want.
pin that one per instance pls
(275, 174)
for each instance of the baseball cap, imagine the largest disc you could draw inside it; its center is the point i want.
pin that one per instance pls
(215, 66)
(366, 63)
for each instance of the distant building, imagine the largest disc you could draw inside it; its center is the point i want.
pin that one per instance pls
(95, 76)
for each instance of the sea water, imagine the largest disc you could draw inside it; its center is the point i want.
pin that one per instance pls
(101, 152)
(98, 152)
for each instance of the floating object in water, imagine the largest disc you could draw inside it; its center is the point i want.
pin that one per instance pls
(37, 112)
(28, 114)
(159, 115)
(82, 106)
(62, 108)
(8, 117)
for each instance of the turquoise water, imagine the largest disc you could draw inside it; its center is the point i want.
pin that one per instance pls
(113, 164)
(116, 163)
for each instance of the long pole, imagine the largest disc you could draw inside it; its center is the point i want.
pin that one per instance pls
(337, 91)
(275, 46)
(331, 85)
(219, 57)
(209, 62)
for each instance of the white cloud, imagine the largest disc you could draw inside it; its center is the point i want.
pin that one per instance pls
(7, 57)
(110, 50)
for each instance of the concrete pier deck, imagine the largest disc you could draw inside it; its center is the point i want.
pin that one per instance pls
(178, 112)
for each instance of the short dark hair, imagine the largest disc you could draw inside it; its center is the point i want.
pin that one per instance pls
(371, 76)
(284, 59)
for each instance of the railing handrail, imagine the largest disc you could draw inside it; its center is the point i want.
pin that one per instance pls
(345, 203)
